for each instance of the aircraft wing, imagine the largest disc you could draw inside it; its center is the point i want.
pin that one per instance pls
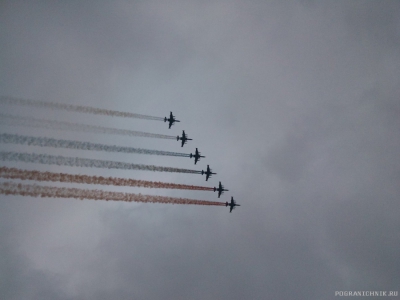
(170, 124)
(183, 142)
(231, 209)
(196, 158)
(207, 176)
(219, 193)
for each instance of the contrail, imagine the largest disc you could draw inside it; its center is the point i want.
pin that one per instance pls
(56, 143)
(13, 173)
(75, 108)
(86, 162)
(56, 125)
(33, 190)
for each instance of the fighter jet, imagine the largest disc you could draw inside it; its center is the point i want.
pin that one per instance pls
(196, 156)
(220, 189)
(232, 204)
(184, 138)
(208, 172)
(171, 120)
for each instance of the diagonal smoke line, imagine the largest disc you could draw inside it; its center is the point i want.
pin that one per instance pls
(33, 190)
(86, 162)
(74, 108)
(57, 125)
(56, 143)
(13, 173)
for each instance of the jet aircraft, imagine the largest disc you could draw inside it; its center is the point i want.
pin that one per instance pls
(232, 204)
(184, 138)
(196, 156)
(208, 172)
(220, 189)
(171, 120)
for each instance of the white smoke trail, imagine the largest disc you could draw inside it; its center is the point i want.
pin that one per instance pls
(74, 108)
(56, 143)
(56, 125)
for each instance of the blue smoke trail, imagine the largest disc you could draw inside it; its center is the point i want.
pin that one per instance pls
(86, 162)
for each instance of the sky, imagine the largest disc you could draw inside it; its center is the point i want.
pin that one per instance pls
(296, 106)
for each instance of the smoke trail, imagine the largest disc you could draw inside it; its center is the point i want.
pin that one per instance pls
(86, 162)
(33, 190)
(75, 108)
(55, 143)
(13, 173)
(56, 125)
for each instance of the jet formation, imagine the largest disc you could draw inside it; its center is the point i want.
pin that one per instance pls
(197, 155)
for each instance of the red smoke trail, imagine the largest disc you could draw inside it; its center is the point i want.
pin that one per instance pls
(33, 190)
(75, 108)
(13, 173)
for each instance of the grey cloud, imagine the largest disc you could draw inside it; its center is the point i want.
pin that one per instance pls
(295, 106)
(374, 23)
(19, 278)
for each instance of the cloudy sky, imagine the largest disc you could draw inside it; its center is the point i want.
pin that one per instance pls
(295, 105)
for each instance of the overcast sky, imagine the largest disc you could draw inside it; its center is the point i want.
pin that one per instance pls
(296, 106)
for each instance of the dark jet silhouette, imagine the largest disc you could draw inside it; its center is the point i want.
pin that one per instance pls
(208, 172)
(232, 204)
(171, 120)
(220, 189)
(184, 138)
(196, 156)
